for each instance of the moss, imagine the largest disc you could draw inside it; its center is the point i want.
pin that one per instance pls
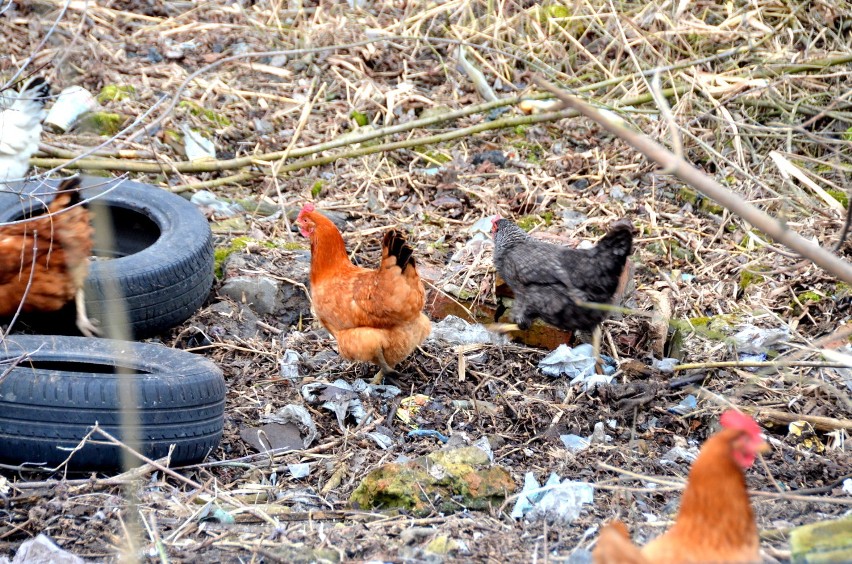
(809, 296)
(238, 244)
(317, 188)
(293, 246)
(716, 327)
(847, 135)
(115, 93)
(216, 119)
(698, 201)
(840, 196)
(102, 123)
(749, 277)
(435, 157)
(359, 118)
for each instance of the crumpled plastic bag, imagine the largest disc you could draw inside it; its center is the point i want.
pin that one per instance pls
(579, 364)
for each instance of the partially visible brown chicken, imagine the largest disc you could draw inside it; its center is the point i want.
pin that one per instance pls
(715, 522)
(375, 315)
(53, 250)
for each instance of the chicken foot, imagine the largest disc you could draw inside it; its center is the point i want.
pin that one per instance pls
(385, 371)
(84, 324)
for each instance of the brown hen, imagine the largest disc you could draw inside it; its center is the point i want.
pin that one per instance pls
(44, 261)
(715, 522)
(376, 316)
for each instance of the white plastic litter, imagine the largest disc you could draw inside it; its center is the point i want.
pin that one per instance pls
(666, 365)
(556, 501)
(481, 230)
(847, 486)
(196, 146)
(457, 331)
(207, 199)
(338, 397)
(485, 446)
(299, 470)
(753, 340)
(688, 405)
(289, 365)
(71, 103)
(579, 364)
(679, 453)
(574, 443)
(296, 415)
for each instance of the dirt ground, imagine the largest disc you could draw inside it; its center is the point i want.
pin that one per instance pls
(739, 100)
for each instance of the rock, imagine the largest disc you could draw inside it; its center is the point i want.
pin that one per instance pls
(445, 481)
(259, 292)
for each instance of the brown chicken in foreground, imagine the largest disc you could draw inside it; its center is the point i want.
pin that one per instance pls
(63, 246)
(375, 315)
(715, 522)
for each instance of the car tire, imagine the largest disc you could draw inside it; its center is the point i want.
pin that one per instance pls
(160, 267)
(61, 386)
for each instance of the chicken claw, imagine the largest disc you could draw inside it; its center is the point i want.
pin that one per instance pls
(503, 328)
(84, 324)
(385, 372)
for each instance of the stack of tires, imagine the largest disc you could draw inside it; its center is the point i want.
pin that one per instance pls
(153, 268)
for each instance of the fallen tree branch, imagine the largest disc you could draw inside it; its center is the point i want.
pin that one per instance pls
(677, 166)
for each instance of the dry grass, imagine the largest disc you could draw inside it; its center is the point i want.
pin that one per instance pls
(759, 99)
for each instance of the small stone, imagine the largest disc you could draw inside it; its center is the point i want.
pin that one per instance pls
(258, 291)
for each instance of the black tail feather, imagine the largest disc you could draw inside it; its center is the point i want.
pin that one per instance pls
(619, 240)
(37, 88)
(71, 186)
(394, 241)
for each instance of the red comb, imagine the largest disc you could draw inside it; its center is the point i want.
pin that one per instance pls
(308, 208)
(733, 419)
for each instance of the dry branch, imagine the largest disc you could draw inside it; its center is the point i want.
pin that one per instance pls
(673, 164)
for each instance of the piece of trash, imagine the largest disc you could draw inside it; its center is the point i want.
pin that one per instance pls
(196, 146)
(299, 470)
(599, 434)
(555, 501)
(747, 357)
(384, 391)
(484, 445)
(754, 340)
(213, 513)
(429, 433)
(666, 365)
(71, 103)
(479, 405)
(579, 364)
(677, 453)
(295, 415)
(209, 200)
(574, 443)
(288, 365)
(686, 277)
(42, 550)
(457, 331)
(384, 441)
(338, 397)
(481, 230)
(687, 405)
(529, 494)
(805, 435)
(408, 407)
(847, 486)
(562, 502)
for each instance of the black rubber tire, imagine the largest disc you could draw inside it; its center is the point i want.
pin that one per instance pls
(51, 400)
(162, 261)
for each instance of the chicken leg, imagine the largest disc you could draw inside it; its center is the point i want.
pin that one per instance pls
(385, 371)
(84, 324)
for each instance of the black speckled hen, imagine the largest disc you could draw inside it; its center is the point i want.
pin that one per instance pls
(550, 281)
